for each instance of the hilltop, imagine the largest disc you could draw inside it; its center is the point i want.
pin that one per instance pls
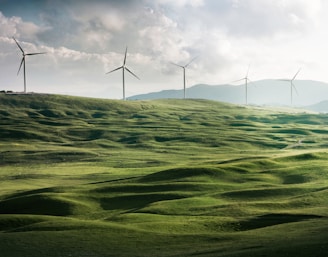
(79, 176)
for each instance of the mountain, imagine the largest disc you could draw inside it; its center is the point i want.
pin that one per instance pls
(319, 107)
(263, 92)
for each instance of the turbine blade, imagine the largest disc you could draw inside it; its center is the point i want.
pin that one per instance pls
(114, 70)
(294, 87)
(238, 80)
(177, 65)
(132, 73)
(190, 62)
(36, 53)
(19, 45)
(296, 74)
(126, 51)
(20, 66)
(248, 71)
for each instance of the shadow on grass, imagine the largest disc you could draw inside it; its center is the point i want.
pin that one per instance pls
(37, 204)
(183, 173)
(272, 220)
(133, 202)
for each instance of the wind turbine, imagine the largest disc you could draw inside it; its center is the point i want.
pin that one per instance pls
(292, 85)
(123, 67)
(246, 84)
(184, 74)
(23, 61)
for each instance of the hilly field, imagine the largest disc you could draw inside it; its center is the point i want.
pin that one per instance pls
(89, 177)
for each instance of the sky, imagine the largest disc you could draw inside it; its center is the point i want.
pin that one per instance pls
(86, 39)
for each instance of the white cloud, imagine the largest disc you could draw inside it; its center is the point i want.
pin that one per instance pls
(16, 27)
(160, 37)
(254, 18)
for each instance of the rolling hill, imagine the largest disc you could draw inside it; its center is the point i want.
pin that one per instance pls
(319, 107)
(92, 177)
(264, 92)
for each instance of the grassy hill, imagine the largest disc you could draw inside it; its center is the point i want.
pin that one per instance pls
(91, 177)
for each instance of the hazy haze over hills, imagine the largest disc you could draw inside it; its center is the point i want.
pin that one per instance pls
(263, 92)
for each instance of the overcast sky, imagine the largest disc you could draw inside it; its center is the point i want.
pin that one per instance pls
(85, 39)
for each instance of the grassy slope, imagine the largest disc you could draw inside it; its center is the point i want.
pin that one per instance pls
(87, 177)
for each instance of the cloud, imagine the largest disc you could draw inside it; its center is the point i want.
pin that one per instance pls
(253, 18)
(159, 36)
(15, 26)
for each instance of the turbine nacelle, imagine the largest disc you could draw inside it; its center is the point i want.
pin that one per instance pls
(183, 67)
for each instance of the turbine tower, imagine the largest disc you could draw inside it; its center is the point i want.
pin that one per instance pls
(247, 80)
(23, 62)
(123, 67)
(184, 75)
(292, 86)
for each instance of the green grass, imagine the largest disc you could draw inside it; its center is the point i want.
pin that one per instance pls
(92, 177)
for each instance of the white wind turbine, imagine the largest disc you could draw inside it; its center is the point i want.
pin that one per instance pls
(184, 74)
(23, 61)
(292, 85)
(247, 80)
(123, 67)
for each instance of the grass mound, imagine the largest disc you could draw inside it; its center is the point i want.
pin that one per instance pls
(13, 222)
(136, 201)
(184, 174)
(145, 188)
(264, 193)
(273, 220)
(40, 204)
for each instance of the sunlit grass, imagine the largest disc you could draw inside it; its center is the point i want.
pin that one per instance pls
(90, 177)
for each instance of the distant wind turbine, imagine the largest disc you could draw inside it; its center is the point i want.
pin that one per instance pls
(23, 62)
(184, 74)
(246, 84)
(123, 67)
(292, 85)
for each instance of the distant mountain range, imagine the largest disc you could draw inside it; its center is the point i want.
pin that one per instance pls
(310, 94)
(319, 107)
